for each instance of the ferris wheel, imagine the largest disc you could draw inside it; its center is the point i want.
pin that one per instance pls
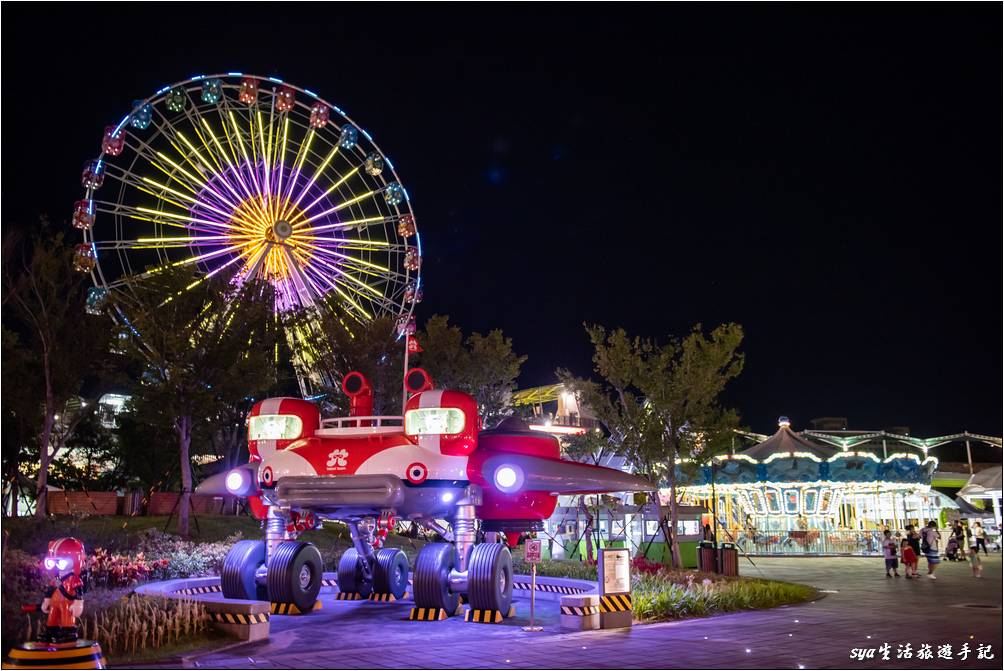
(249, 177)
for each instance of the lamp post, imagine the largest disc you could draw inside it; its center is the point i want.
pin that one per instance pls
(714, 519)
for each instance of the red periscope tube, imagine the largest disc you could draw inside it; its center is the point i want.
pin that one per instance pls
(360, 394)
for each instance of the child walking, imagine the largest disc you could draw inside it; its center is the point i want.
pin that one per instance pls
(889, 553)
(975, 562)
(909, 559)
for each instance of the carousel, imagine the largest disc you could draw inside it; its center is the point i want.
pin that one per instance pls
(787, 495)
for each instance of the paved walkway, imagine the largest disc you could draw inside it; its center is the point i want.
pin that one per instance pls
(864, 610)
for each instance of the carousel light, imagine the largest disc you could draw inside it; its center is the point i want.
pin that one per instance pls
(285, 99)
(212, 91)
(113, 142)
(319, 115)
(176, 99)
(142, 115)
(248, 93)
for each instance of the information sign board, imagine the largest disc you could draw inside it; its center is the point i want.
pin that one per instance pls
(532, 551)
(615, 571)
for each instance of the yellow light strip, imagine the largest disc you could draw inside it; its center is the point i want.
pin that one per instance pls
(322, 196)
(317, 172)
(339, 207)
(345, 224)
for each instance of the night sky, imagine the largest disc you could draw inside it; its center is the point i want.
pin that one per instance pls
(829, 177)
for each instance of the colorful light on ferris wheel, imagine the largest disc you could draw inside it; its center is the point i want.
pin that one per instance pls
(245, 183)
(212, 91)
(285, 99)
(176, 99)
(142, 115)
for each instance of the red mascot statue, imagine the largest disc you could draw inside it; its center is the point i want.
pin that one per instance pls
(64, 595)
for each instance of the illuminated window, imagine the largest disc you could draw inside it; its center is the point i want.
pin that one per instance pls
(275, 427)
(429, 421)
(791, 501)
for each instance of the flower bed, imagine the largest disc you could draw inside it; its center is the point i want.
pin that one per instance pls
(662, 593)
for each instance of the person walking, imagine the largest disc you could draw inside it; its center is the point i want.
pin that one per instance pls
(889, 554)
(980, 536)
(975, 562)
(930, 544)
(960, 539)
(909, 559)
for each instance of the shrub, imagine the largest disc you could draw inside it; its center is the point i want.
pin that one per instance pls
(658, 597)
(122, 570)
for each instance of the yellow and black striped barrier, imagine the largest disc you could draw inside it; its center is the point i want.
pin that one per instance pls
(615, 603)
(240, 618)
(428, 614)
(580, 611)
(556, 589)
(208, 589)
(382, 597)
(292, 608)
(348, 596)
(488, 616)
(80, 655)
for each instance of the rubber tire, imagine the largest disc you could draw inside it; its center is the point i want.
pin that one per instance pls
(390, 575)
(432, 577)
(288, 561)
(239, 567)
(490, 564)
(350, 575)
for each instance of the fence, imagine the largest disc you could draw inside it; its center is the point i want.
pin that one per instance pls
(810, 542)
(111, 503)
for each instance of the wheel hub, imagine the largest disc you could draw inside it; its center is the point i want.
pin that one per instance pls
(305, 577)
(281, 230)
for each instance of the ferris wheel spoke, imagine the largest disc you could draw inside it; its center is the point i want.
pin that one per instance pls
(371, 293)
(302, 213)
(161, 217)
(334, 286)
(319, 170)
(354, 223)
(301, 156)
(250, 159)
(165, 242)
(340, 206)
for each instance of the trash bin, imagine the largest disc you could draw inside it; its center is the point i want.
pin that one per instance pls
(706, 556)
(730, 559)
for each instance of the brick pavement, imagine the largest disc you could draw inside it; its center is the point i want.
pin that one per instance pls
(865, 610)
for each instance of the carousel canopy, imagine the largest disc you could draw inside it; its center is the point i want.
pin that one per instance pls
(786, 441)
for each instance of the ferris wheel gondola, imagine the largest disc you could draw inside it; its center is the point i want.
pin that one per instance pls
(249, 177)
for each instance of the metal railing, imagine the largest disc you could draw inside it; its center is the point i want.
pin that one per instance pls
(810, 542)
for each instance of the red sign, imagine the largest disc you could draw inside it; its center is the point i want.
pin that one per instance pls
(532, 551)
(413, 346)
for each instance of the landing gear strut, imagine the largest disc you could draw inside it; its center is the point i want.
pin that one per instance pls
(483, 572)
(277, 569)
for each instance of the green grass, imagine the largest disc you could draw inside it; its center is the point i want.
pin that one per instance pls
(656, 598)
